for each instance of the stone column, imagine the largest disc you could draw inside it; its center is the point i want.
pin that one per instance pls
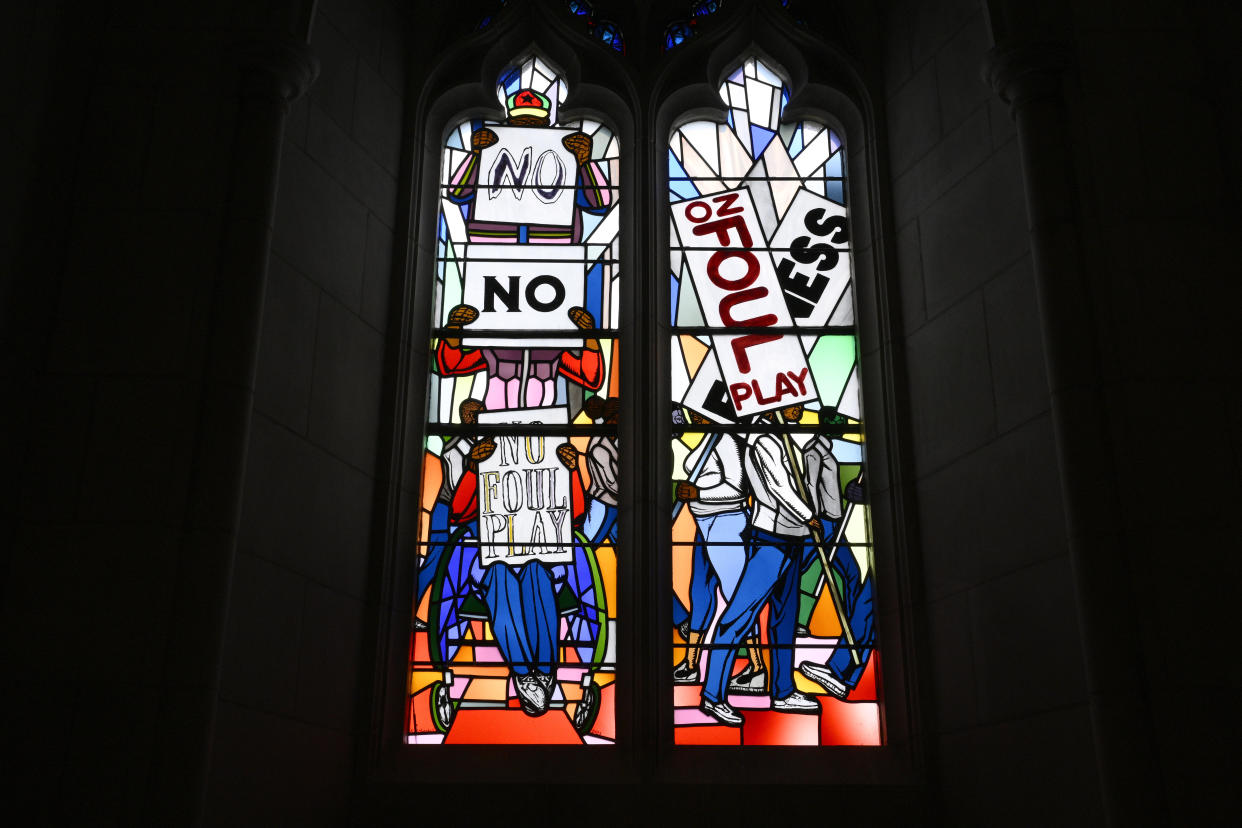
(271, 75)
(1029, 78)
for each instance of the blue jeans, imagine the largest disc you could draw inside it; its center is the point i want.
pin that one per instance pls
(771, 573)
(858, 610)
(718, 560)
(437, 539)
(522, 603)
(601, 522)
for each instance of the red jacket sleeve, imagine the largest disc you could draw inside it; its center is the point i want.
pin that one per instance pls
(457, 362)
(466, 498)
(586, 370)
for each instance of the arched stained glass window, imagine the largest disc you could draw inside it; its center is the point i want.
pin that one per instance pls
(514, 637)
(772, 572)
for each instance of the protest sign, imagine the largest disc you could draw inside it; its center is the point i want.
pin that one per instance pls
(811, 251)
(737, 287)
(525, 501)
(526, 177)
(523, 287)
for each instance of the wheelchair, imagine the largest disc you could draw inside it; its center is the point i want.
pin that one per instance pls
(455, 608)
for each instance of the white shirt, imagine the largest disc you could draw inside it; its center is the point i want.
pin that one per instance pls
(779, 508)
(823, 478)
(602, 464)
(720, 482)
(454, 458)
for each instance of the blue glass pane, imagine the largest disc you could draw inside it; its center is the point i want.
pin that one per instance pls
(759, 140)
(836, 191)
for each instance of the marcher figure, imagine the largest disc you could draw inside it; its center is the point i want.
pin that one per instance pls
(521, 601)
(779, 526)
(839, 674)
(602, 463)
(453, 461)
(716, 500)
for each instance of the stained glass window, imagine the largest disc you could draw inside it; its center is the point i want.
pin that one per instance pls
(772, 561)
(515, 623)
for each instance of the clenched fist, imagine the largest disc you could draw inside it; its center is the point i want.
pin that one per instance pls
(483, 138)
(685, 490)
(585, 321)
(579, 143)
(568, 455)
(462, 315)
(458, 316)
(482, 450)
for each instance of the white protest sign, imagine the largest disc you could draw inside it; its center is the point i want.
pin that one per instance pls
(526, 177)
(737, 286)
(523, 287)
(811, 250)
(708, 395)
(525, 501)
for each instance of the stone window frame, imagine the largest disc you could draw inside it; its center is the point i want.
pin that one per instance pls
(827, 87)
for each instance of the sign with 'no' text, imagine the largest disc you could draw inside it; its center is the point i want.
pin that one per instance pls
(525, 502)
(526, 177)
(737, 285)
(518, 287)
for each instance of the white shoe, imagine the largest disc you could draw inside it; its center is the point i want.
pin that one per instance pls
(821, 675)
(796, 702)
(531, 694)
(722, 712)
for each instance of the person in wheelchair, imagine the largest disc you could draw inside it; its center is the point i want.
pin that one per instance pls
(521, 601)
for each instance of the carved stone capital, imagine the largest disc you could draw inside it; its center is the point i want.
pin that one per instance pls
(275, 69)
(1023, 73)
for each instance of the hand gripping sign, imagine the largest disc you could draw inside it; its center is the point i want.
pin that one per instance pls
(738, 287)
(527, 177)
(525, 502)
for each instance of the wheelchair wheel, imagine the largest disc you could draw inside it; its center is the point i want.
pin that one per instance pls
(588, 622)
(588, 709)
(446, 626)
(442, 707)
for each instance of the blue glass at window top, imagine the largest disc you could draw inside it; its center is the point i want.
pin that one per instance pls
(610, 33)
(677, 34)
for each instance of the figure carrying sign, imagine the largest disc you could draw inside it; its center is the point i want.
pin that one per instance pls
(602, 463)
(840, 673)
(521, 377)
(528, 108)
(781, 522)
(521, 601)
(717, 500)
(453, 460)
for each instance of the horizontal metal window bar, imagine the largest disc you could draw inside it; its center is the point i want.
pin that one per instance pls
(784, 330)
(692, 178)
(525, 188)
(522, 429)
(525, 259)
(532, 333)
(767, 428)
(757, 247)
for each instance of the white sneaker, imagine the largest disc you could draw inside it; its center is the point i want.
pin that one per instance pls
(821, 675)
(796, 702)
(531, 694)
(722, 712)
